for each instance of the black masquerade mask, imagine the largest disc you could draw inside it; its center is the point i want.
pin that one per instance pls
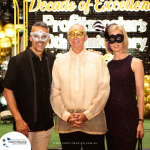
(98, 26)
(116, 38)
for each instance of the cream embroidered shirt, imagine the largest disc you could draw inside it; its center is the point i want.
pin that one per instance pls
(80, 84)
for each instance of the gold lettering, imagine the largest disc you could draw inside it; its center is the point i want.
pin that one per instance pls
(43, 6)
(87, 6)
(131, 4)
(103, 8)
(136, 5)
(97, 3)
(122, 5)
(72, 6)
(84, 6)
(49, 6)
(81, 5)
(52, 6)
(67, 3)
(32, 4)
(127, 5)
(145, 5)
(56, 6)
(62, 6)
(108, 4)
(115, 5)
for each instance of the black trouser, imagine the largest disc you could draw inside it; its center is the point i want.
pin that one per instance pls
(76, 140)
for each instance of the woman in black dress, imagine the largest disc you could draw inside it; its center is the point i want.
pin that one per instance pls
(124, 114)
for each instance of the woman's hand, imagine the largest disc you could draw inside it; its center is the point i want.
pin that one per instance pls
(140, 130)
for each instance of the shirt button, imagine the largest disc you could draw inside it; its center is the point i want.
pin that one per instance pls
(42, 79)
(43, 88)
(41, 70)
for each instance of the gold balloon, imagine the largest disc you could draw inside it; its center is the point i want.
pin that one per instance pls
(147, 91)
(145, 78)
(146, 113)
(148, 79)
(1, 25)
(3, 53)
(148, 99)
(15, 42)
(146, 85)
(7, 50)
(145, 99)
(10, 30)
(2, 34)
(5, 42)
(147, 106)
(2, 60)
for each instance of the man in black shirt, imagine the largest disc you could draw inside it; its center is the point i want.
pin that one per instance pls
(27, 89)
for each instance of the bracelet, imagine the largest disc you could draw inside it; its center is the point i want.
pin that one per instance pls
(141, 120)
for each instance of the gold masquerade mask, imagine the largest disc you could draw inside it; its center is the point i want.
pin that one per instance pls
(76, 33)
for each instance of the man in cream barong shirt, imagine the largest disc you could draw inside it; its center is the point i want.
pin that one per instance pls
(80, 90)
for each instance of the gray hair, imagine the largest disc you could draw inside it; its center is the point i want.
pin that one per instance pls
(40, 24)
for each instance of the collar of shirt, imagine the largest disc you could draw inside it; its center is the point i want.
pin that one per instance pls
(74, 55)
(32, 54)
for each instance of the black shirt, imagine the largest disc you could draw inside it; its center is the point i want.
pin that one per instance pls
(30, 80)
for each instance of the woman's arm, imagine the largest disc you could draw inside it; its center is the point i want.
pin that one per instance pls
(137, 67)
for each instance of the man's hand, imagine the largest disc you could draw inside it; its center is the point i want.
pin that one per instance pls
(73, 118)
(22, 127)
(91, 50)
(81, 117)
(79, 120)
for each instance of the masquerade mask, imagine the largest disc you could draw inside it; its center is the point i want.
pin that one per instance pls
(116, 38)
(76, 33)
(39, 36)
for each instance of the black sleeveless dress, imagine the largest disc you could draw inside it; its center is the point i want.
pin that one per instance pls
(121, 108)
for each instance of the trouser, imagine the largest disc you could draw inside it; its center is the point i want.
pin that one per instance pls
(39, 140)
(76, 140)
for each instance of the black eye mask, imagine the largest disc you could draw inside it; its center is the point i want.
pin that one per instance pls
(116, 38)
